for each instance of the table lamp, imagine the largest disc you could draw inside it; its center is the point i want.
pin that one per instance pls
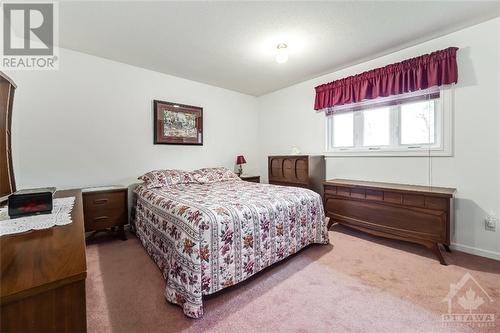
(239, 161)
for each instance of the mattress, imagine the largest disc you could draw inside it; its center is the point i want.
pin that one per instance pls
(206, 237)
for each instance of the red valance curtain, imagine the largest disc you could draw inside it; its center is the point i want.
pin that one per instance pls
(434, 69)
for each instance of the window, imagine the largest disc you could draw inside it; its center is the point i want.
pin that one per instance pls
(376, 127)
(417, 123)
(413, 124)
(343, 130)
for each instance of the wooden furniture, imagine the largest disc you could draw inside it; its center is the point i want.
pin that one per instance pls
(253, 179)
(418, 214)
(297, 170)
(7, 181)
(105, 208)
(43, 277)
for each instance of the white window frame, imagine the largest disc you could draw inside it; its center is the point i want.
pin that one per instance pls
(443, 145)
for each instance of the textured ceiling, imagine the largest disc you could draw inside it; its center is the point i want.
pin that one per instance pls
(232, 44)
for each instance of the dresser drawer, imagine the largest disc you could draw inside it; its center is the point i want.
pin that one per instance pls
(284, 183)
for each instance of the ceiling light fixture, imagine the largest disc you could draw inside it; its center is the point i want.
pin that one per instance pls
(281, 53)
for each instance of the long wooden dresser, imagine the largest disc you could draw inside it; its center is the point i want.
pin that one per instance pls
(418, 214)
(43, 277)
(297, 170)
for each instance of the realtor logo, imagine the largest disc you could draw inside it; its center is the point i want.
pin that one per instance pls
(464, 302)
(29, 33)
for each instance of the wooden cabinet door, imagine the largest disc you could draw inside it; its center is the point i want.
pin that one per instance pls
(293, 170)
(302, 170)
(7, 182)
(275, 168)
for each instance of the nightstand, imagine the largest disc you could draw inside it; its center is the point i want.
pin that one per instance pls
(105, 208)
(253, 179)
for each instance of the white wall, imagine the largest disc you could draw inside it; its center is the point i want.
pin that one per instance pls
(91, 123)
(287, 118)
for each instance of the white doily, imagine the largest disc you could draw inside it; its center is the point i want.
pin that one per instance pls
(61, 215)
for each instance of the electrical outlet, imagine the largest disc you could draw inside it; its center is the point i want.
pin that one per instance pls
(490, 223)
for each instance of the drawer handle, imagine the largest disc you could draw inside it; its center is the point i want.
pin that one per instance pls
(100, 201)
(101, 218)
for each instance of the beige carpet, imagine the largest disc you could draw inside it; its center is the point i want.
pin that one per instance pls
(358, 284)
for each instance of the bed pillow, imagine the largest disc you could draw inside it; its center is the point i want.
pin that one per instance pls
(161, 178)
(212, 175)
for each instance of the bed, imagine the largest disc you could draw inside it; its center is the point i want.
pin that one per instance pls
(207, 236)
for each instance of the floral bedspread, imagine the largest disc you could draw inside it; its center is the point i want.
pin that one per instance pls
(206, 237)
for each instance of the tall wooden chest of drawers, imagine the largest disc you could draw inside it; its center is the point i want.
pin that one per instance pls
(297, 170)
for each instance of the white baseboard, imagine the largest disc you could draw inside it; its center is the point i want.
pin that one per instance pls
(474, 250)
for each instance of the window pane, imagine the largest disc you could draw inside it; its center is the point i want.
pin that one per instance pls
(376, 127)
(417, 123)
(343, 129)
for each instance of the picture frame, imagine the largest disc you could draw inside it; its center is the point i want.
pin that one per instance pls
(177, 124)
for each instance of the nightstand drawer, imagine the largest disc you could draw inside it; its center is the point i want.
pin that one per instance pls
(253, 179)
(103, 221)
(105, 200)
(114, 213)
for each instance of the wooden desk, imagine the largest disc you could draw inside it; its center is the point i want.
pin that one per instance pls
(418, 214)
(43, 277)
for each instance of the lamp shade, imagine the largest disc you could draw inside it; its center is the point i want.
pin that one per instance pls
(240, 159)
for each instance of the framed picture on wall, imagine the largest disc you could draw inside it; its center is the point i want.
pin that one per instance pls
(177, 124)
